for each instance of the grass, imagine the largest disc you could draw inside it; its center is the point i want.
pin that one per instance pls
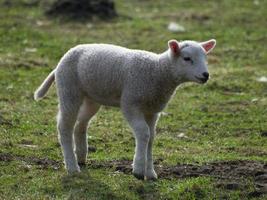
(223, 120)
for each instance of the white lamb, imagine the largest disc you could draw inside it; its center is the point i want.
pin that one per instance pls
(139, 82)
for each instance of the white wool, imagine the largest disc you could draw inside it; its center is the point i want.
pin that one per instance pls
(139, 82)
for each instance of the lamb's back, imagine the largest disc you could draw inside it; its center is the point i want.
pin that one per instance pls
(103, 69)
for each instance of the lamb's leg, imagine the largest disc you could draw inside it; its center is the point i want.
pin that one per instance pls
(140, 128)
(151, 121)
(70, 100)
(87, 111)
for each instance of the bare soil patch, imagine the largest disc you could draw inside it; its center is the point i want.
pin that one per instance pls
(230, 175)
(43, 163)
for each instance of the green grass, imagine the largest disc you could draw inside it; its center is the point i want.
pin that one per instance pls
(223, 119)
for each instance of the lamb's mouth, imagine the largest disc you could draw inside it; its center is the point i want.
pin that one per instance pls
(202, 80)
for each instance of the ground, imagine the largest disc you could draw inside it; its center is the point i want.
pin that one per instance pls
(211, 139)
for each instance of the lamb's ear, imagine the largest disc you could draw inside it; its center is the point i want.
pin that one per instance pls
(174, 47)
(208, 45)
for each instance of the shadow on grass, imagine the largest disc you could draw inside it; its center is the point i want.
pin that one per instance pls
(87, 186)
(84, 186)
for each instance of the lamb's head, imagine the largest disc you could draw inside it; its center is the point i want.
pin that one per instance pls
(189, 60)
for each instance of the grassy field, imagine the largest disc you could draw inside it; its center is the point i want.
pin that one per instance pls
(222, 152)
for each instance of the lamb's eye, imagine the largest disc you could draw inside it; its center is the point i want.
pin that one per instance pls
(187, 59)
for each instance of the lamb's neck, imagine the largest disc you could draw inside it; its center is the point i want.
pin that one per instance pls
(166, 66)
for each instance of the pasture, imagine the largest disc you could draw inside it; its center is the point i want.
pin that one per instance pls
(211, 140)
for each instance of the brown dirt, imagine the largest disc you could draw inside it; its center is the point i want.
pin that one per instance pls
(83, 9)
(43, 163)
(26, 3)
(263, 133)
(4, 121)
(229, 174)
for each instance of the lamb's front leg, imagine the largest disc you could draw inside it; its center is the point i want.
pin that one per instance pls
(141, 132)
(152, 122)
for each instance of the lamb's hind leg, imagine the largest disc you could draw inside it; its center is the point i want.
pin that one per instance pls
(87, 111)
(69, 104)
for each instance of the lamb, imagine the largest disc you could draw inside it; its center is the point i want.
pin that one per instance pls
(139, 82)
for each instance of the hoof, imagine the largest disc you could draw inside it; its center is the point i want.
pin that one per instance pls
(139, 176)
(154, 178)
(82, 164)
(74, 172)
(151, 175)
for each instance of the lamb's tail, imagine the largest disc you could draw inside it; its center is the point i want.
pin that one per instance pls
(43, 88)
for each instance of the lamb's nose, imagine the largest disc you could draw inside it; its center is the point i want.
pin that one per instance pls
(206, 75)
